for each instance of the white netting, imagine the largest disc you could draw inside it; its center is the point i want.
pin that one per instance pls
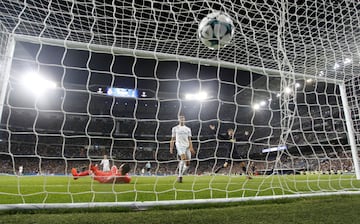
(277, 84)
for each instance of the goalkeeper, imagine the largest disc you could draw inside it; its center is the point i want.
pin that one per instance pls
(231, 152)
(115, 175)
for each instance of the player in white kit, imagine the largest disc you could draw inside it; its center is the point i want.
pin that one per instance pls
(105, 163)
(181, 138)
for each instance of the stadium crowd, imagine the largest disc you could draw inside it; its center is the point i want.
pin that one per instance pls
(46, 159)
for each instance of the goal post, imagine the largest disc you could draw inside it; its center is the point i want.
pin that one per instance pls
(277, 163)
(7, 47)
(160, 56)
(350, 129)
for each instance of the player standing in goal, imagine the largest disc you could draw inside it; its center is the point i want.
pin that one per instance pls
(181, 138)
(231, 152)
(230, 146)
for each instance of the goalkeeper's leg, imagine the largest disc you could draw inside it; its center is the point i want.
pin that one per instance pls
(76, 175)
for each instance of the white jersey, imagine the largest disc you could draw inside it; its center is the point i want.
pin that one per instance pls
(182, 134)
(21, 169)
(106, 164)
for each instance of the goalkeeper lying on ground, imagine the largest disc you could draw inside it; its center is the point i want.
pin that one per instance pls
(115, 175)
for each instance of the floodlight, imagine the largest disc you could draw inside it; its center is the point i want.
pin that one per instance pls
(36, 83)
(347, 61)
(196, 96)
(189, 96)
(287, 90)
(202, 96)
(256, 106)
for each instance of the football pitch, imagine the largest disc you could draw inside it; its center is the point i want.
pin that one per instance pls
(64, 189)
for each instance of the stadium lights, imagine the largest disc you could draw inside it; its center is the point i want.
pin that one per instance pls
(290, 89)
(256, 106)
(274, 149)
(347, 61)
(262, 103)
(36, 83)
(287, 90)
(196, 96)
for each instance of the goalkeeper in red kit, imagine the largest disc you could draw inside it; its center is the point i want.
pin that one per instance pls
(115, 175)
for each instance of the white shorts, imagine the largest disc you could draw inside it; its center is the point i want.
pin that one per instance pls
(184, 150)
(106, 169)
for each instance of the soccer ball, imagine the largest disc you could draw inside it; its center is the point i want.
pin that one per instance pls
(216, 30)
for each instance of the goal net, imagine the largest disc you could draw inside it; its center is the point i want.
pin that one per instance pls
(85, 79)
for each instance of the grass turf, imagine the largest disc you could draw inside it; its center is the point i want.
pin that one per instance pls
(335, 209)
(54, 189)
(64, 189)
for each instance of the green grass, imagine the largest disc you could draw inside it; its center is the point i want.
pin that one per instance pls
(53, 189)
(335, 209)
(63, 189)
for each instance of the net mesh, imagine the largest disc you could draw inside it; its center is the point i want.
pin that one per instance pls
(276, 85)
(307, 37)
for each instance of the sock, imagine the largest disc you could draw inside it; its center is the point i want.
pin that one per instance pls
(184, 169)
(181, 167)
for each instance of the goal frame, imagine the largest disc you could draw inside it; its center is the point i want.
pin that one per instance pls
(13, 38)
